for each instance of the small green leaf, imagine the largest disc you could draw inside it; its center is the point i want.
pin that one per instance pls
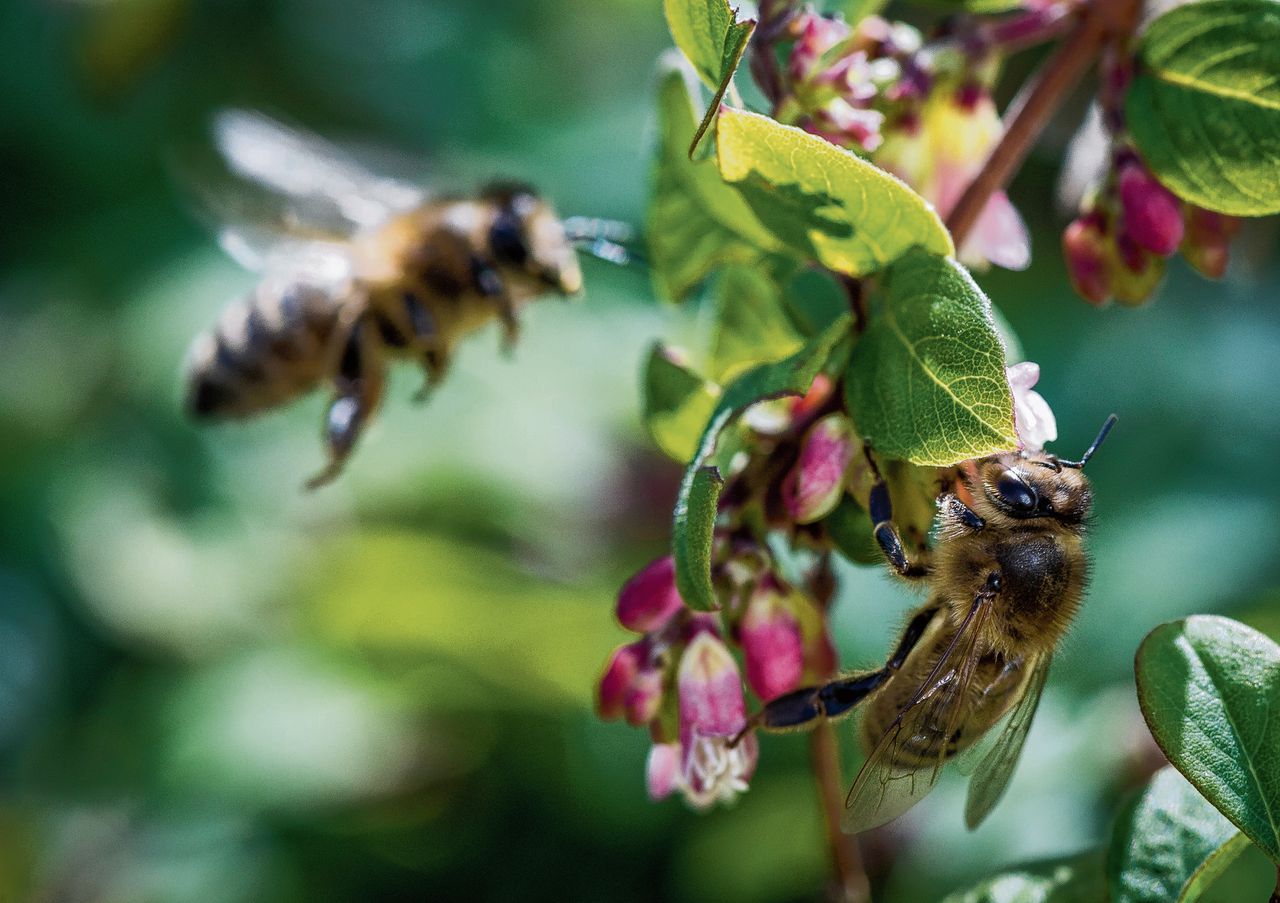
(734, 47)
(703, 29)
(1204, 106)
(857, 10)
(927, 380)
(695, 222)
(1169, 844)
(1209, 688)
(1072, 879)
(676, 403)
(751, 325)
(849, 528)
(696, 504)
(823, 202)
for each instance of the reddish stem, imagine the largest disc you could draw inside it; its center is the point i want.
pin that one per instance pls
(851, 882)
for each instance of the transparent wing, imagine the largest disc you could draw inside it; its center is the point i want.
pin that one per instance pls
(324, 183)
(907, 762)
(992, 776)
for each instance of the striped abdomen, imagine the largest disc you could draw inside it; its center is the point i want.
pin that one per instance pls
(267, 349)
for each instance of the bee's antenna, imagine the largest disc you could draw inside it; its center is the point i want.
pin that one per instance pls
(608, 239)
(1102, 434)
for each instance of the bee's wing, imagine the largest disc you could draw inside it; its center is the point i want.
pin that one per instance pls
(886, 786)
(992, 775)
(320, 179)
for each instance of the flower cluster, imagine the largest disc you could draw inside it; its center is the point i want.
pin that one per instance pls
(1118, 245)
(799, 464)
(921, 112)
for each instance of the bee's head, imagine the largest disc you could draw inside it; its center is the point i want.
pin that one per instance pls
(1021, 486)
(528, 241)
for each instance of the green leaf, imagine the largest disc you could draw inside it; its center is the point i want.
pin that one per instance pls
(695, 222)
(927, 380)
(857, 10)
(1169, 844)
(1072, 879)
(1204, 106)
(675, 403)
(735, 46)
(823, 202)
(849, 528)
(1209, 688)
(703, 30)
(751, 324)
(700, 489)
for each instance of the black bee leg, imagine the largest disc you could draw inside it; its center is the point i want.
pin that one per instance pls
(422, 323)
(360, 383)
(488, 282)
(800, 709)
(886, 533)
(959, 516)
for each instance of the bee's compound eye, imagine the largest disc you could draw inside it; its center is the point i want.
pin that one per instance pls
(506, 239)
(1016, 494)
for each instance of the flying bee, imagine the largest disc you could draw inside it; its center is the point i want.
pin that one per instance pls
(358, 269)
(1007, 576)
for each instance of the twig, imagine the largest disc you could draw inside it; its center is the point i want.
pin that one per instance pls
(851, 883)
(1031, 111)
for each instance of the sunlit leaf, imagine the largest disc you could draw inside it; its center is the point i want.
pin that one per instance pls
(676, 403)
(751, 324)
(823, 202)
(708, 34)
(927, 382)
(695, 222)
(1074, 879)
(1209, 688)
(1169, 844)
(696, 505)
(1204, 106)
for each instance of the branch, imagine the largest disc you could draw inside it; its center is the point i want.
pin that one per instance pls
(851, 883)
(1031, 111)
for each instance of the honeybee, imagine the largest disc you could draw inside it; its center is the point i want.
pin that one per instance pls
(358, 268)
(1007, 576)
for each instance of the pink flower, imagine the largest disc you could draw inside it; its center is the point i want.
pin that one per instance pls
(650, 598)
(772, 642)
(662, 771)
(712, 712)
(815, 483)
(938, 154)
(1085, 248)
(1033, 419)
(631, 686)
(1152, 214)
(1206, 245)
(817, 35)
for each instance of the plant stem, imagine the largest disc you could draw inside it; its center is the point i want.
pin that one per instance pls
(851, 883)
(1033, 108)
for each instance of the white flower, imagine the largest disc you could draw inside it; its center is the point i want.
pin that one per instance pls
(717, 772)
(1032, 417)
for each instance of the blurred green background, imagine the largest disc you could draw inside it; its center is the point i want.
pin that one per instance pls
(214, 687)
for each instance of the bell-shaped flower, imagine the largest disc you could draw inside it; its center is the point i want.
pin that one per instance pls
(663, 776)
(650, 598)
(1151, 213)
(1085, 249)
(812, 488)
(1032, 417)
(712, 714)
(772, 641)
(631, 686)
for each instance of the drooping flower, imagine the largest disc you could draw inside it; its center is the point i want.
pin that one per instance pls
(712, 714)
(1033, 418)
(814, 484)
(772, 641)
(1151, 213)
(631, 686)
(1084, 246)
(662, 771)
(650, 598)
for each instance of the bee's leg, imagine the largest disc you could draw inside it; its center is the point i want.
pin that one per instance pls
(958, 517)
(361, 381)
(426, 336)
(488, 282)
(886, 533)
(803, 708)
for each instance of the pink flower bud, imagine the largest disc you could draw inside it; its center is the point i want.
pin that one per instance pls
(1085, 248)
(814, 485)
(1152, 214)
(649, 599)
(772, 642)
(1135, 273)
(1206, 245)
(710, 688)
(662, 771)
(819, 391)
(619, 675)
(643, 697)
(1032, 417)
(816, 35)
